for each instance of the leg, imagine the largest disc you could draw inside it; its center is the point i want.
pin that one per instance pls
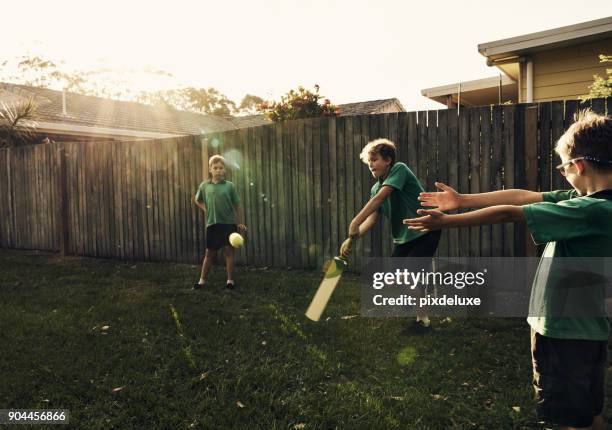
(598, 423)
(207, 263)
(229, 263)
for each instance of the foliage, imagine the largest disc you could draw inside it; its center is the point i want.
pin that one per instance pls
(299, 104)
(249, 104)
(37, 71)
(601, 87)
(17, 126)
(201, 100)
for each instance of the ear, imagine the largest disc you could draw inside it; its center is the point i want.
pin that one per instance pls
(580, 167)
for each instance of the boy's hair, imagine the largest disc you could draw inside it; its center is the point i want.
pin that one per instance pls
(589, 136)
(383, 147)
(216, 159)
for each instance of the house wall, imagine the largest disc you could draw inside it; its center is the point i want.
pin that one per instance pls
(565, 73)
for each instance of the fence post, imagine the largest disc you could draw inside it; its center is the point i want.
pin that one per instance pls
(531, 165)
(62, 219)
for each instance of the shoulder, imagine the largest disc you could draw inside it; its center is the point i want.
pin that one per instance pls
(399, 167)
(558, 195)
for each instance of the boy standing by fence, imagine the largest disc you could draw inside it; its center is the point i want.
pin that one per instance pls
(220, 203)
(395, 195)
(568, 352)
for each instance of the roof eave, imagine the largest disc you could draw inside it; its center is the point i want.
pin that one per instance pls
(557, 37)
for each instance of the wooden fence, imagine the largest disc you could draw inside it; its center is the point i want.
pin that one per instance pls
(300, 182)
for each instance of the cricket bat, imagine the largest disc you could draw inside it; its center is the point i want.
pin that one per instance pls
(326, 289)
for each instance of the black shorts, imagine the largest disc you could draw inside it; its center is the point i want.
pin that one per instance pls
(568, 377)
(422, 246)
(217, 235)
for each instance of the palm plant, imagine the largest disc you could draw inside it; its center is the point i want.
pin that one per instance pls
(17, 125)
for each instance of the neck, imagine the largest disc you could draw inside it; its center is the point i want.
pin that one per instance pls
(384, 175)
(599, 183)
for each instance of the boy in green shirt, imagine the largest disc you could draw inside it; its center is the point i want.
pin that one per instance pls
(395, 195)
(568, 353)
(220, 203)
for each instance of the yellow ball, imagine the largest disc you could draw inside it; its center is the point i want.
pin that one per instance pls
(236, 240)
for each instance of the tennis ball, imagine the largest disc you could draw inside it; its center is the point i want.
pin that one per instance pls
(236, 240)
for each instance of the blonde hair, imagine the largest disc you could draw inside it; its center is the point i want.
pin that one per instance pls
(589, 136)
(383, 147)
(216, 159)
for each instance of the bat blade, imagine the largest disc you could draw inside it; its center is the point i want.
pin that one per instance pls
(323, 294)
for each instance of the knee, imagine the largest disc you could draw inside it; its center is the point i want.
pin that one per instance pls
(210, 253)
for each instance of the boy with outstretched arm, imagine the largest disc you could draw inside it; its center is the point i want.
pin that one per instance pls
(568, 352)
(395, 195)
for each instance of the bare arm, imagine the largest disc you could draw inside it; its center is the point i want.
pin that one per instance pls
(368, 223)
(201, 205)
(514, 197)
(241, 226)
(371, 207)
(435, 220)
(448, 199)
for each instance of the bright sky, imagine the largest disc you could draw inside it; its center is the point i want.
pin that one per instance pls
(355, 50)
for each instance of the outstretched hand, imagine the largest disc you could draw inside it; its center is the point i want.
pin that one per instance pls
(447, 199)
(432, 220)
(346, 248)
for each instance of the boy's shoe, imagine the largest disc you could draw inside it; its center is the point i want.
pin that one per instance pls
(417, 327)
(197, 286)
(230, 286)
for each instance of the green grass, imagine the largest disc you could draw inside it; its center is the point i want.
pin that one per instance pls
(245, 359)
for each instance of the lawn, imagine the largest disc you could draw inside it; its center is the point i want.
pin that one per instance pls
(125, 345)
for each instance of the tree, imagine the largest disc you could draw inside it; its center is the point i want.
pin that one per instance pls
(249, 104)
(17, 126)
(201, 100)
(299, 104)
(209, 101)
(601, 87)
(116, 84)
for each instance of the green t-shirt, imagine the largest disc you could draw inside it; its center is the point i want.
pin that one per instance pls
(220, 201)
(402, 203)
(580, 228)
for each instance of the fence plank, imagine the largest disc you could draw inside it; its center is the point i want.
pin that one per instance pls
(474, 171)
(349, 159)
(443, 171)
(598, 105)
(318, 184)
(545, 147)
(422, 148)
(453, 173)
(342, 194)
(323, 163)
(509, 143)
(464, 170)
(496, 176)
(531, 166)
(558, 183)
(296, 196)
(485, 173)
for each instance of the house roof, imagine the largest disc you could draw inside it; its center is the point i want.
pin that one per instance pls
(89, 115)
(475, 93)
(88, 111)
(553, 38)
(371, 107)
